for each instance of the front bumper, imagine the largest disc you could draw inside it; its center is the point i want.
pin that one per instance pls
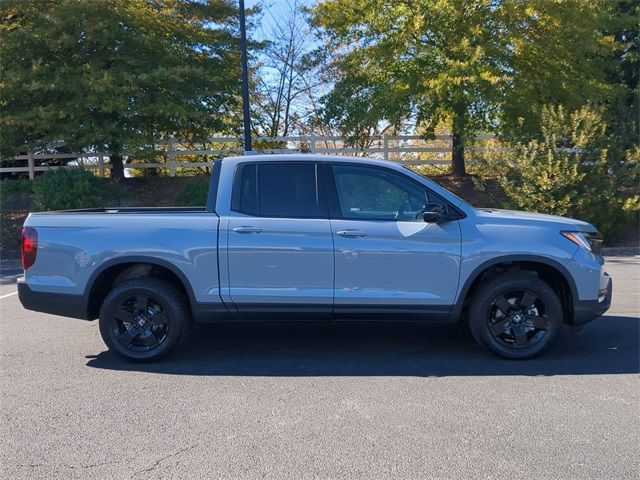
(65, 305)
(585, 311)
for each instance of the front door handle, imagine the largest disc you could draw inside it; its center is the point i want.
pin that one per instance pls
(247, 229)
(351, 233)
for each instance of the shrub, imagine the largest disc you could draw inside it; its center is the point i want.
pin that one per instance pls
(630, 180)
(15, 202)
(15, 194)
(66, 189)
(573, 170)
(194, 194)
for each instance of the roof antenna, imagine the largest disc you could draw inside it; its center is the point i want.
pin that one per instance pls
(245, 81)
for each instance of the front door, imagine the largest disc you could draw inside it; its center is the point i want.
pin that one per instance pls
(279, 244)
(387, 258)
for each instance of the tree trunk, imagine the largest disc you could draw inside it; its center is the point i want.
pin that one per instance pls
(117, 166)
(457, 150)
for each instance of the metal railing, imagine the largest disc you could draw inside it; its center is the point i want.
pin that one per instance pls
(406, 149)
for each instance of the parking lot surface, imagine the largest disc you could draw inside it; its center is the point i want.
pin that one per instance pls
(321, 401)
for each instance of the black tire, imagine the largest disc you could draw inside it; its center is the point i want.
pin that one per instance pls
(531, 322)
(144, 319)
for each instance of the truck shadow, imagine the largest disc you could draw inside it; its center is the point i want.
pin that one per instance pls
(609, 346)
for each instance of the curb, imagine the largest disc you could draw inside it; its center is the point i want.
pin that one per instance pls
(10, 261)
(621, 251)
(10, 266)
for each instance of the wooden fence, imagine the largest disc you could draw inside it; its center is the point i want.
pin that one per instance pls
(406, 149)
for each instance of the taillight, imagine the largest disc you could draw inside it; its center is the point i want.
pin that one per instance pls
(29, 247)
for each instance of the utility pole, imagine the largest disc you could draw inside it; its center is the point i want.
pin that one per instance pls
(245, 80)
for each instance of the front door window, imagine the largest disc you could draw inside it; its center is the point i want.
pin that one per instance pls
(366, 193)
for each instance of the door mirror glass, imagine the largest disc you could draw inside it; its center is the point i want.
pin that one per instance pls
(432, 217)
(433, 212)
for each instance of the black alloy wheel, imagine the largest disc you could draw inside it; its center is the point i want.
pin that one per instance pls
(518, 319)
(144, 319)
(516, 315)
(140, 324)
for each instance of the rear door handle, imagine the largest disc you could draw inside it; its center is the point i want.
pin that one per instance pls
(351, 233)
(247, 229)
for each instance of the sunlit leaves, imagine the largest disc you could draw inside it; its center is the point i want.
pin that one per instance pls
(493, 62)
(115, 74)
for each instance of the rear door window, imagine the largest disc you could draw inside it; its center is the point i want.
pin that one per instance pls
(277, 190)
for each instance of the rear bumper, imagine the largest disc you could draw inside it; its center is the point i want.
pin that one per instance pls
(54, 303)
(585, 311)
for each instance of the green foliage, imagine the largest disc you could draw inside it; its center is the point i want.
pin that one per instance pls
(15, 194)
(426, 57)
(559, 55)
(473, 65)
(623, 73)
(66, 189)
(194, 194)
(15, 202)
(115, 74)
(431, 170)
(569, 171)
(630, 181)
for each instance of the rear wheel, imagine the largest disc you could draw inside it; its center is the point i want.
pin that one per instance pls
(516, 315)
(144, 319)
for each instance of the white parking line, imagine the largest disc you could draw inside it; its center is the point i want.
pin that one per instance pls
(8, 295)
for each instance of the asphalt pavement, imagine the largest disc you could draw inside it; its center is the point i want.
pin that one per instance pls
(321, 401)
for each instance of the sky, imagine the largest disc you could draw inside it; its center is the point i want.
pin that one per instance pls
(272, 10)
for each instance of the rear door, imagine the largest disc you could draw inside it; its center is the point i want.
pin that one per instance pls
(387, 258)
(280, 248)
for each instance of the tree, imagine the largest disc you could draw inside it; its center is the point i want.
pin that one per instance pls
(115, 75)
(558, 52)
(465, 63)
(623, 73)
(568, 170)
(422, 61)
(287, 75)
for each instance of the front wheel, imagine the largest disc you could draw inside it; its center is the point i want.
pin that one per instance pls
(144, 319)
(516, 315)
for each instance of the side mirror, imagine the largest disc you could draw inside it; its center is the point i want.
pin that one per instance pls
(432, 217)
(433, 212)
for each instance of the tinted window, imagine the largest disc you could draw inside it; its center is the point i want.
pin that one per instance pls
(246, 199)
(277, 190)
(375, 193)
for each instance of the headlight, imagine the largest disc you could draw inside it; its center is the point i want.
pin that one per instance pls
(591, 241)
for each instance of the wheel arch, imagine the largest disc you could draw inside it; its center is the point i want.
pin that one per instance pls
(549, 270)
(119, 269)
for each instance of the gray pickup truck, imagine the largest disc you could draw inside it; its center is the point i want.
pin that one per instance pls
(307, 237)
